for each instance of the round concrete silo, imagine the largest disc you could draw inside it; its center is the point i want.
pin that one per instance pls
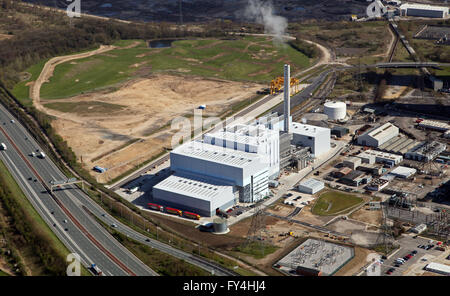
(335, 110)
(220, 225)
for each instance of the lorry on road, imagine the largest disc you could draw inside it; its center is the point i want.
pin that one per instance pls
(96, 270)
(133, 190)
(2, 146)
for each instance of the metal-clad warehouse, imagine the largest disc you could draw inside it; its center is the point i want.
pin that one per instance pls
(195, 194)
(247, 171)
(311, 186)
(378, 136)
(423, 10)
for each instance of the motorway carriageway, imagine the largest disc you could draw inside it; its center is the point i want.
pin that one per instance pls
(74, 200)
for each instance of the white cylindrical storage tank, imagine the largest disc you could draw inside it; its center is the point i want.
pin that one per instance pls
(335, 110)
(220, 225)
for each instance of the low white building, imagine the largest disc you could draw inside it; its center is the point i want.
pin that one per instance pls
(315, 137)
(434, 125)
(311, 186)
(403, 172)
(381, 157)
(419, 228)
(438, 268)
(424, 10)
(378, 136)
(352, 162)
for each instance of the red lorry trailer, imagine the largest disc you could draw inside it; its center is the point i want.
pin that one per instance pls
(192, 215)
(155, 207)
(174, 211)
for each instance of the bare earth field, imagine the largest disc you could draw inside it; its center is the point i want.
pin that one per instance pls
(136, 111)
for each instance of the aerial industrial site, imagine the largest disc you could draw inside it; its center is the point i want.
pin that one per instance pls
(243, 138)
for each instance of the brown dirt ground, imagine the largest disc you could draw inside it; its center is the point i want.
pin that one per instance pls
(188, 230)
(356, 263)
(146, 102)
(306, 216)
(368, 216)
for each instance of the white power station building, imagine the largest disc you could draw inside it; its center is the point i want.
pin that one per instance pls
(235, 163)
(250, 138)
(424, 10)
(243, 170)
(335, 110)
(318, 138)
(378, 136)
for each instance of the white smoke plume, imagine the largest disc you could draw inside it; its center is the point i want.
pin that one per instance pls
(262, 12)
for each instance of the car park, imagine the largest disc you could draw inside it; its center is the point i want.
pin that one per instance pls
(390, 271)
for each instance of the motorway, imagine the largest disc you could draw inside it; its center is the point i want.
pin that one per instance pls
(99, 247)
(62, 212)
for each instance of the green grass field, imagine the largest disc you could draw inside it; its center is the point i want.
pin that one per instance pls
(21, 90)
(253, 59)
(2, 273)
(333, 202)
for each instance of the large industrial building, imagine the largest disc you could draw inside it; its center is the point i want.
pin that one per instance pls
(235, 164)
(254, 139)
(426, 151)
(243, 170)
(378, 136)
(424, 10)
(193, 193)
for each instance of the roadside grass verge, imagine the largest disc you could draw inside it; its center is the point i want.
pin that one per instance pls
(256, 249)
(160, 262)
(333, 202)
(38, 241)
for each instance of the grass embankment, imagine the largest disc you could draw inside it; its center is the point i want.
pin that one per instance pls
(160, 262)
(22, 90)
(255, 59)
(334, 202)
(256, 249)
(35, 248)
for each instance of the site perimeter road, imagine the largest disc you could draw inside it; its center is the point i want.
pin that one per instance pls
(47, 72)
(63, 214)
(74, 199)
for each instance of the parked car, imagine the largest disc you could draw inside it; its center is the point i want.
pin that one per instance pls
(414, 252)
(390, 271)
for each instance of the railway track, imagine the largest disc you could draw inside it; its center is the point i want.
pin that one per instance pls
(317, 99)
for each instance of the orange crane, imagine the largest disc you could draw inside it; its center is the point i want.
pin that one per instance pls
(277, 84)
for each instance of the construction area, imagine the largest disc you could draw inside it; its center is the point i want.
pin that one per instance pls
(97, 136)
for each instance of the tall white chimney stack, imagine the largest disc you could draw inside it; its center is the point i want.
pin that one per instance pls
(287, 96)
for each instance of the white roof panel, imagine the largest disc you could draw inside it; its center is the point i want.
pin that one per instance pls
(194, 186)
(216, 154)
(306, 129)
